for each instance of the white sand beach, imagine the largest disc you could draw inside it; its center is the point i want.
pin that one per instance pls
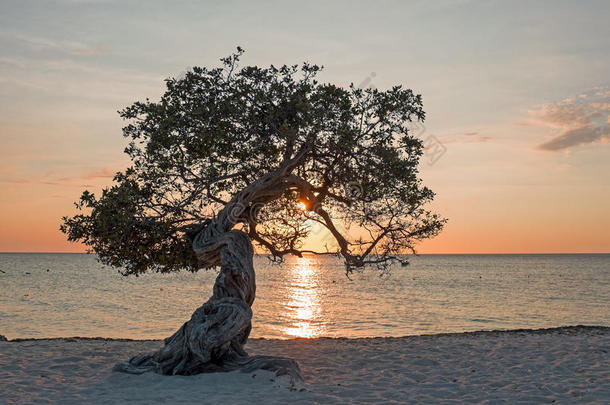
(562, 365)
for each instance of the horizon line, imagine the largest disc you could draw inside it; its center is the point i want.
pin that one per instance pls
(306, 254)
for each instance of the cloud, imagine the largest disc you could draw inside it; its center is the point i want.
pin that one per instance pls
(65, 46)
(15, 181)
(575, 121)
(464, 137)
(103, 173)
(90, 51)
(49, 179)
(577, 136)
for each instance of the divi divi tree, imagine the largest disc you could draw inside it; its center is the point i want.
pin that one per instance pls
(234, 156)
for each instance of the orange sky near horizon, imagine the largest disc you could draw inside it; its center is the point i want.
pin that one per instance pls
(517, 94)
(482, 222)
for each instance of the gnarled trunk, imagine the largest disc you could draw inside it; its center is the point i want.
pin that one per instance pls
(213, 339)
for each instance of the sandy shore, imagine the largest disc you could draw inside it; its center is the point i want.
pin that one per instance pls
(563, 365)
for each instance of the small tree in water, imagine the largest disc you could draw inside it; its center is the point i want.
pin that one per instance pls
(231, 156)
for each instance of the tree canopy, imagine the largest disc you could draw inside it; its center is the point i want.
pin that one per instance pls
(343, 158)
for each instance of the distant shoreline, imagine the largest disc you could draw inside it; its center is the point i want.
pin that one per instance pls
(572, 329)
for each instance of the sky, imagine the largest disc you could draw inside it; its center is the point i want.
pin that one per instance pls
(517, 97)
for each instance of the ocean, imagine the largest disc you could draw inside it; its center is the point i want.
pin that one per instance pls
(60, 295)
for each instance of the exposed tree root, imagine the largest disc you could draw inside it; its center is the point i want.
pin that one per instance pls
(212, 340)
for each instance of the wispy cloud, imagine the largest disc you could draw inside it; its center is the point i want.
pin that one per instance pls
(575, 121)
(71, 47)
(464, 137)
(15, 181)
(91, 51)
(103, 173)
(50, 179)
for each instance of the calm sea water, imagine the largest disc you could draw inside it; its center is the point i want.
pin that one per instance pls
(53, 295)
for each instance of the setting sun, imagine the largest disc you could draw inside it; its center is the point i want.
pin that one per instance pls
(302, 206)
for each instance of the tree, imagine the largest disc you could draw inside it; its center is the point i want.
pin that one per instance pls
(231, 156)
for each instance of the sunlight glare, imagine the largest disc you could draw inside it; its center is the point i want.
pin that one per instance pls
(304, 301)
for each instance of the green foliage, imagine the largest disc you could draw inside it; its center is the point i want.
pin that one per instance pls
(215, 131)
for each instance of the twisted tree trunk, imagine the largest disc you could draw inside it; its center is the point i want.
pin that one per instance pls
(213, 339)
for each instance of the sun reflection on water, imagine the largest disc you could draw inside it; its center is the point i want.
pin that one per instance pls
(303, 301)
